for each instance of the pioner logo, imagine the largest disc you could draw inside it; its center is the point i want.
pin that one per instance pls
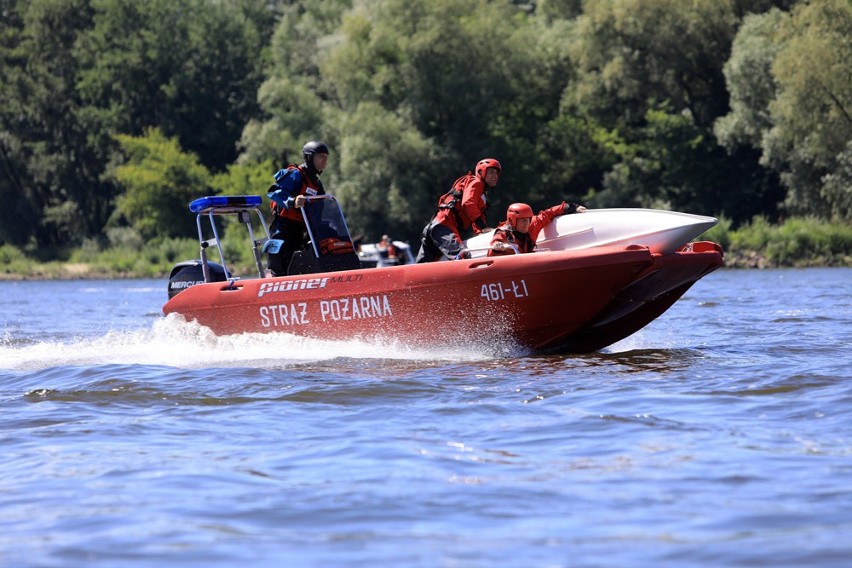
(290, 285)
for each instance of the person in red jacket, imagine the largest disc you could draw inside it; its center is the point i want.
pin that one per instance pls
(518, 233)
(460, 209)
(287, 195)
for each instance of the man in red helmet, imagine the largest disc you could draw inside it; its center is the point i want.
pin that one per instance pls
(518, 233)
(460, 209)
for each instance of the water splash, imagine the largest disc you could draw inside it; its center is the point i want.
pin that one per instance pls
(172, 342)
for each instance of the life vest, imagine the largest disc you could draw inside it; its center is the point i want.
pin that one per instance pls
(308, 188)
(523, 241)
(333, 246)
(452, 200)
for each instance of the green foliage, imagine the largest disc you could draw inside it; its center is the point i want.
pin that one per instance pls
(14, 264)
(631, 54)
(720, 233)
(124, 237)
(670, 163)
(798, 241)
(75, 73)
(756, 235)
(90, 260)
(456, 80)
(292, 97)
(650, 78)
(160, 181)
(791, 98)
(377, 194)
(748, 74)
(250, 178)
(115, 113)
(153, 259)
(147, 64)
(836, 188)
(49, 173)
(812, 112)
(13, 260)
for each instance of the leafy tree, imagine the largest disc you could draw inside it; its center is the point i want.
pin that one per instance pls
(791, 95)
(650, 74)
(812, 110)
(48, 173)
(559, 9)
(836, 187)
(383, 195)
(152, 64)
(292, 97)
(632, 55)
(74, 73)
(160, 181)
(752, 87)
(243, 179)
(748, 75)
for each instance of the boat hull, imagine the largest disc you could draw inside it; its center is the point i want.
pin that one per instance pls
(556, 301)
(646, 298)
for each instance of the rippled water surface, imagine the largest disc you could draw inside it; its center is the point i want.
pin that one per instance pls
(719, 435)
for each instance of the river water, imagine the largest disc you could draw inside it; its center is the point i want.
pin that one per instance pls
(720, 435)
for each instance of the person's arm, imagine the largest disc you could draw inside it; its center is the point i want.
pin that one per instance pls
(285, 192)
(544, 217)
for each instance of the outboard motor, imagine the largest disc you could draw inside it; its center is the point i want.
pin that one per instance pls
(190, 272)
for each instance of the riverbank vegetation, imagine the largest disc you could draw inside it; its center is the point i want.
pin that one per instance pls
(114, 114)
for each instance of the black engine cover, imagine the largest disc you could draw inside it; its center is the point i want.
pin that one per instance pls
(189, 273)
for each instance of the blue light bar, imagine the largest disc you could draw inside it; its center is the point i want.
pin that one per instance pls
(203, 204)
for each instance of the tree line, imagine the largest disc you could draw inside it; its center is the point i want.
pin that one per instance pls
(114, 114)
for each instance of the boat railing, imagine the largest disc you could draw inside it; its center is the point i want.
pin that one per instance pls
(240, 206)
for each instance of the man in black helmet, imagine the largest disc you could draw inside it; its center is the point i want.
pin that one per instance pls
(287, 195)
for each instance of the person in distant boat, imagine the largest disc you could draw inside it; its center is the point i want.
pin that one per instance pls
(460, 209)
(518, 233)
(287, 195)
(388, 250)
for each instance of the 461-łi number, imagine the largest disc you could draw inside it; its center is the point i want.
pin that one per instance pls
(497, 291)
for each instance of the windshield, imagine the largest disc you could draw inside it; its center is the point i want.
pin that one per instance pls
(326, 226)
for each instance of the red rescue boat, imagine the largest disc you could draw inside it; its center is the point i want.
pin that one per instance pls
(557, 300)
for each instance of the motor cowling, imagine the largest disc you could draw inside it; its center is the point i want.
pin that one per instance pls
(190, 272)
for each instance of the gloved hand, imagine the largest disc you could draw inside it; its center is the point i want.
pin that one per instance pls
(503, 247)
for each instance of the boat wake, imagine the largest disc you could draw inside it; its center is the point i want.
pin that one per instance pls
(173, 342)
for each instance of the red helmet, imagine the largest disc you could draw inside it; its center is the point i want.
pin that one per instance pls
(486, 163)
(518, 211)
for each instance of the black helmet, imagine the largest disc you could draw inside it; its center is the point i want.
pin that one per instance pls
(311, 148)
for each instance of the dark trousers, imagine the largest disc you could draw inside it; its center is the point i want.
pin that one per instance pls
(439, 241)
(295, 237)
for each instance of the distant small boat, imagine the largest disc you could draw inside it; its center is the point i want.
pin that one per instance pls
(600, 276)
(373, 255)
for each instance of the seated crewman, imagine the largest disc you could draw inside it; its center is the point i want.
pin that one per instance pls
(521, 228)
